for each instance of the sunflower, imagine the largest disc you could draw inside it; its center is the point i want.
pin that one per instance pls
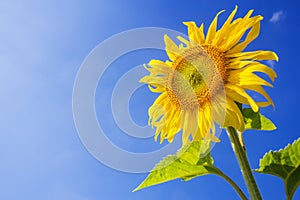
(206, 77)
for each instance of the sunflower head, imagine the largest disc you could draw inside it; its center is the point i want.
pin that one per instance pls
(205, 77)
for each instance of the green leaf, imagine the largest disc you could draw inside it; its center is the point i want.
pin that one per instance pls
(285, 164)
(189, 162)
(255, 120)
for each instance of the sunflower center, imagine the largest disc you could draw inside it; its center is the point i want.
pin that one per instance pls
(199, 73)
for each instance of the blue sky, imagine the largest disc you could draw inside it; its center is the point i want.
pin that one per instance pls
(42, 47)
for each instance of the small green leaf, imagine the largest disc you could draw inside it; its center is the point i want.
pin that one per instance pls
(189, 162)
(285, 164)
(255, 120)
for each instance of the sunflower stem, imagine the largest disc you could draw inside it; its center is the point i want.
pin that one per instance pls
(241, 156)
(232, 183)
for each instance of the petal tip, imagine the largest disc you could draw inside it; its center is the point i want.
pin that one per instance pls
(166, 37)
(276, 57)
(187, 22)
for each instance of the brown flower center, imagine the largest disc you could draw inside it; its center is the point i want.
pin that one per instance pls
(199, 73)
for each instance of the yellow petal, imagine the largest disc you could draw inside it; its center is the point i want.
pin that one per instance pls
(158, 63)
(247, 16)
(171, 134)
(243, 79)
(232, 120)
(201, 34)
(157, 88)
(205, 121)
(171, 48)
(229, 19)
(212, 29)
(203, 129)
(259, 89)
(253, 34)
(183, 40)
(158, 67)
(243, 93)
(157, 132)
(254, 55)
(161, 99)
(264, 104)
(195, 34)
(225, 27)
(234, 115)
(236, 96)
(212, 137)
(218, 111)
(237, 33)
(258, 67)
(241, 99)
(154, 80)
(237, 64)
(176, 120)
(185, 133)
(155, 112)
(193, 122)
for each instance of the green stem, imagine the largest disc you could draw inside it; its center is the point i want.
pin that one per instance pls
(231, 182)
(244, 164)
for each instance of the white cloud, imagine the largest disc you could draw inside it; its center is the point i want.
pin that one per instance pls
(271, 63)
(276, 16)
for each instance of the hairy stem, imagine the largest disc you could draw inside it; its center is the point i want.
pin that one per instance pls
(241, 156)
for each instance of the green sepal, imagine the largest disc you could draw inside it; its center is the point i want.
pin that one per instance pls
(255, 120)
